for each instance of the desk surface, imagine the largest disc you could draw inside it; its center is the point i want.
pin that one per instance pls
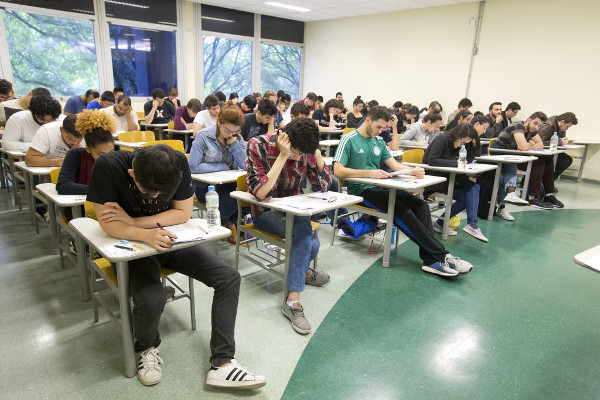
(586, 141)
(62, 200)
(14, 153)
(323, 129)
(220, 177)
(545, 152)
(135, 145)
(184, 131)
(589, 259)
(396, 153)
(509, 159)
(155, 125)
(401, 182)
(330, 142)
(471, 169)
(34, 170)
(412, 147)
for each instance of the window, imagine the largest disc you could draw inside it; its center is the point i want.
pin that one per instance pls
(56, 53)
(153, 11)
(224, 20)
(227, 65)
(143, 59)
(280, 68)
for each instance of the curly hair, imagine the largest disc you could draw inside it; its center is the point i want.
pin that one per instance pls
(96, 126)
(40, 106)
(303, 134)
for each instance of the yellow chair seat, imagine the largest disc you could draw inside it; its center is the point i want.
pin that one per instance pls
(104, 266)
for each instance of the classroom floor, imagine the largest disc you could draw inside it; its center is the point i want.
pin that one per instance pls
(521, 325)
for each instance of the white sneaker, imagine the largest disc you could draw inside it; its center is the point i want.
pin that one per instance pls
(235, 376)
(150, 367)
(456, 263)
(475, 232)
(504, 214)
(439, 229)
(512, 198)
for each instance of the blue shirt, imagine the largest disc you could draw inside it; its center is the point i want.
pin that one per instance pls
(74, 105)
(94, 105)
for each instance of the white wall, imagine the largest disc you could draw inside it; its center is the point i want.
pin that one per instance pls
(542, 54)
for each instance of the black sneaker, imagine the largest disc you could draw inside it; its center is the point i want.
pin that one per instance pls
(554, 201)
(542, 205)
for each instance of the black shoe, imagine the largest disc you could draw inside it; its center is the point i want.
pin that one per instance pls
(554, 201)
(542, 205)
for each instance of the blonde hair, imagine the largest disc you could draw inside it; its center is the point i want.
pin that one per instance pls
(89, 120)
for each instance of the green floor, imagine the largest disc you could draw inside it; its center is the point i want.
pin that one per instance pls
(525, 323)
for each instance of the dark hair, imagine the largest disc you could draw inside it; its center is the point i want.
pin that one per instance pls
(477, 113)
(340, 93)
(173, 92)
(211, 101)
(432, 117)
(158, 169)
(93, 92)
(333, 103)
(40, 91)
(412, 110)
(462, 114)
(195, 105)
(463, 131)
(98, 136)
(285, 97)
(158, 94)
(434, 104)
(379, 112)
(568, 118)
(233, 95)
(358, 101)
(118, 89)
(40, 106)
(68, 125)
(220, 95)
(311, 96)
(267, 107)
(303, 134)
(465, 103)
(496, 103)
(250, 101)
(299, 108)
(481, 118)
(280, 93)
(320, 98)
(513, 106)
(540, 115)
(257, 95)
(5, 87)
(373, 103)
(126, 100)
(108, 96)
(398, 104)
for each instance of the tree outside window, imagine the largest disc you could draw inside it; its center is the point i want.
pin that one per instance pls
(227, 65)
(281, 68)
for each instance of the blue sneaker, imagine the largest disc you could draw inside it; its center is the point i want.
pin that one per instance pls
(440, 268)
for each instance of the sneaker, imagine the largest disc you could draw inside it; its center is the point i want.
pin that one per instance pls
(72, 248)
(542, 205)
(439, 229)
(459, 265)
(475, 232)
(150, 367)
(317, 278)
(504, 214)
(296, 316)
(169, 292)
(512, 198)
(554, 201)
(233, 375)
(440, 268)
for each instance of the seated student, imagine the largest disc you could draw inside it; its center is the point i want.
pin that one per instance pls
(233, 97)
(523, 136)
(7, 92)
(258, 98)
(328, 116)
(462, 117)
(390, 135)
(248, 103)
(463, 104)
(184, 115)
(395, 108)
(76, 169)
(498, 123)
(559, 124)
(77, 104)
(480, 123)
(157, 110)
(52, 142)
(118, 91)
(221, 96)
(443, 152)
(107, 99)
(406, 117)
(299, 110)
(354, 117)
(22, 126)
(359, 155)
(219, 148)
(123, 114)
(131, 194)
(270, 95)
(261, 122)
(173, 93)
(277, 165)
(207, 118)
(434, 107)
(422, 132)
(309, 101)
(282, 105)
(370, 104)
(10, 107)
(511, 111)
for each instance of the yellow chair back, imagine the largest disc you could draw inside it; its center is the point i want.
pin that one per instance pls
(136, 136)
(346, 130)
(174, 144)
(140, 115)
(414, 156)
(491, 142)
(242, 187)
(54, 175)
(171, 125)
(89, 210)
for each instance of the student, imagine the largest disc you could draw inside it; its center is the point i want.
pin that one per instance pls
(462, 117)
(299, 110)
(173, 93)
(277, 166)
(443, 152)
(340, 98)
(10, 107)
(123, 114)
(248, 103)
(309, 101)
(359, 155)
(220, 148)
(22, 126)
(261, 122)
(370, 104)
(511, 111)
(270, 95)
(463, 104)
(157, 110)
(233, 97)
(406, 117)
(396, 107)
(131, 194)
(107, 99)
(559, 124)
(207, 118)
(221, 96)
(76, 170)
(77, 104)
(495, 115)
(52, 142)
(7, 92)
(434, 107)
(390, 135)
(257, 96)
(282, 106)
(118, 91)
(328, 116)
(422, 132)
(480, 124)
(184, 115)
(354, 117)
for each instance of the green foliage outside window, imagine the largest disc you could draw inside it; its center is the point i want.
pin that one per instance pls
(280, 68)
(227, 66)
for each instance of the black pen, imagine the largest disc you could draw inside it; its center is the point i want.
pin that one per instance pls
(124, 247)
(160, 226)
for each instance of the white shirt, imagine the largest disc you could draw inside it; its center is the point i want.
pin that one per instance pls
(8, 104)
(203, 118)
(122, 120)
(49, 141)
(20, 130)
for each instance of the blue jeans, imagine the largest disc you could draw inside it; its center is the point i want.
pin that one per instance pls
(305, 245)
(466, 197)
(508, 178)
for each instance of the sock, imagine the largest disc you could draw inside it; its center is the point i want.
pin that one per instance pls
(291, 303)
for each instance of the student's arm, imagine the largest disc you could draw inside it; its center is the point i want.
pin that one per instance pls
(396, 166)
(317, 171)
(260, 181)
(395, 143)
(409, 137)
(112, 212)
(198, 165)
(150, 109)
(12, 137)
(132, 124)
(438, 154)
(196, 128)
(523, 144)
(237, 150)
(69, 174)
(494, 130)
(343, 172)
(34, 158)
(537, 143)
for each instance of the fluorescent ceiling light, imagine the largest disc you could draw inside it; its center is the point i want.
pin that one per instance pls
(122, 3)
(289, 7)
(217, 19)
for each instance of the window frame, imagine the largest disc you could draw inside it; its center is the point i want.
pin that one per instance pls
(290, 44)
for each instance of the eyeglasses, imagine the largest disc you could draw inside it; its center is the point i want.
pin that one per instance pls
(226, 129)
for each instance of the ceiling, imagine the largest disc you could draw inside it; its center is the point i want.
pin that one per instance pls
(328, 9)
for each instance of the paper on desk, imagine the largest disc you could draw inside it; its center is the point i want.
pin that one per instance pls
(323, 195)
(184, 234)
(118, 249)
(303, 203)
(594, 262)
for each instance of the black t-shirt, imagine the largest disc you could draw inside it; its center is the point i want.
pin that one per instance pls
(163, 114)
(386, 135)
(352, 121)
(252, 128)
(319, 115)
(111, 182)
(506, 138)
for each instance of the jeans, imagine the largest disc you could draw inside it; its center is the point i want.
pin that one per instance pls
(227, 204)
(466, 197)
(563, 162)
(149, 297)
(508, 178)
(305, 245)
(542, 173)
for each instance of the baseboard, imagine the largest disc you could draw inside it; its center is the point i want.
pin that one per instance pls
(583, 180)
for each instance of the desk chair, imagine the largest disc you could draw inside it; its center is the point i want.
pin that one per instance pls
(140, 115)
(171, 125)
(38, 195)
(62, 225)
(174, 144)
(101, 270)
(260, 257)
(346, 130)
(135, 136)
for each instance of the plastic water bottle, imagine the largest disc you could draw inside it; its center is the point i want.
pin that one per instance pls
(554, 142)
(462, 158)
(213, 216)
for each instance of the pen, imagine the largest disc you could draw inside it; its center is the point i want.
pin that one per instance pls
(160, 227)
(202, 229)
(124, 247)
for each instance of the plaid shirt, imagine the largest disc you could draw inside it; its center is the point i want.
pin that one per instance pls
(262, 153)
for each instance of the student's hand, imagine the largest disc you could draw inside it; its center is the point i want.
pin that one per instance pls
(378, 174)
(318, 153)
(232, 140)
(283, 144)
(499, 119)
(160, 239)
(154, 104)
(114, 212)
(394, 119)
(420, 143)
(59, 161)
(418, 172)
(563, 141)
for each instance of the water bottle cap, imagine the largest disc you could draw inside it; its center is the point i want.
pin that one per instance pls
(211, 188)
